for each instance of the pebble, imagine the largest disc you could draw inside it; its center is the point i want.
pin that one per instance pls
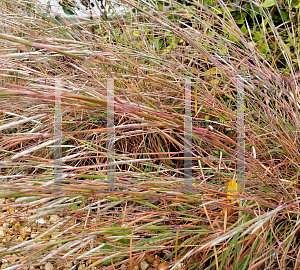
(4, 265)
(19, 239)
(144, 265)
(14, 258)
(180, 266)
(49, 266)
(156, 262)
(11, 210)
(54, 218)
(41, 221)
(25, 231)
(17, 225)
(12, 220)
(163, 266)
(81, 267)
(149, 258)
(69, 265)
(34, 235)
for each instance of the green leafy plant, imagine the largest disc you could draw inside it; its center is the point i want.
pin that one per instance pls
(68, 7)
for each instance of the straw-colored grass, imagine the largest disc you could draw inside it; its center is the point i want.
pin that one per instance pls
(149, 213)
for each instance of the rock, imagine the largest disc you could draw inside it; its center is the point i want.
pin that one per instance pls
(156, 261)
(144, 265)
(11, 210)
(123, 267)
(14, 258)
(54, 218)
(11, 220)
(163, 266)
(49, 266)
(40, 221)
(25, 231)
(4, 265)
(69, 264)
(81, 267)
(54, 247)
(34, 235)
(149, 258)
(19, 239)
(180, 266)
(17, 225)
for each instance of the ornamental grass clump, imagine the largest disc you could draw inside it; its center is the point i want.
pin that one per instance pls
(149, 217)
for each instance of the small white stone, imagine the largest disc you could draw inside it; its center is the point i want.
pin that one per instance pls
(40, 221)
